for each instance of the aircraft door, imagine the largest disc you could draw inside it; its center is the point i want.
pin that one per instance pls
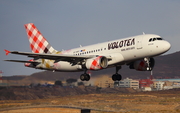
(139, 43)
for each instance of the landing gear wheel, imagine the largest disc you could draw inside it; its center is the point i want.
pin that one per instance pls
(82, 77)
(117, 77)
(85, 77)
(114, 77)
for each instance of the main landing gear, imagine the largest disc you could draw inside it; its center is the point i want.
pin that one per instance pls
(85, 76)
(116, 76)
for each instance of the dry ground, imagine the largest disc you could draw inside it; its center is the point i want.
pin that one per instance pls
(43, 110)
(148, 102)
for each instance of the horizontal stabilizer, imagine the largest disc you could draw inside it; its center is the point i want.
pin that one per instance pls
(21, 61)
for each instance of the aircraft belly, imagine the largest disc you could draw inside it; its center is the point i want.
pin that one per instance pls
(66, 66)
(59, 66)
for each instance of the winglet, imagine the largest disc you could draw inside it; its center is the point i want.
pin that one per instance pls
(7, 52)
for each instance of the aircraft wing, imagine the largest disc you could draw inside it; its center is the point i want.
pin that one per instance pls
(56, 57)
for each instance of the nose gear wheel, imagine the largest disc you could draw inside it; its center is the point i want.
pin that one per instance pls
(117, 77)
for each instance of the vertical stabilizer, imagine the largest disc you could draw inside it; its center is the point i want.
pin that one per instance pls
(38, 43)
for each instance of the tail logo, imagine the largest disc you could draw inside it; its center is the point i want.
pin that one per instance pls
(38, 43)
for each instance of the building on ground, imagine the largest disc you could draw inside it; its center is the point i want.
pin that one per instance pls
(159, 85)
(104, 82)
(168, 83)
(127, 83)
(145, 83)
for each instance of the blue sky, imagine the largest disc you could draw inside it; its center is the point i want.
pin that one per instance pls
(67, 24)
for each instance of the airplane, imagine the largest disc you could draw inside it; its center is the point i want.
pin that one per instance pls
(137, 52)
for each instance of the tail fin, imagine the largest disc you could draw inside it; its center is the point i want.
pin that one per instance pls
(37, 42)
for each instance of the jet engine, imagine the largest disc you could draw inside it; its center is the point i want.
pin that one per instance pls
(142, 65)
(96, 63)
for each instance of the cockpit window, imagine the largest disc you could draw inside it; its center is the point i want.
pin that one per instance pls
(159, 39)
(150, 39)
(154, 39)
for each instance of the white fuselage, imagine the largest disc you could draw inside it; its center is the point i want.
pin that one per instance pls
(121, 51)
(135, 51)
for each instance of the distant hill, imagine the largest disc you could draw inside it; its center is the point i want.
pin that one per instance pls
(25, 93)
(166, 66)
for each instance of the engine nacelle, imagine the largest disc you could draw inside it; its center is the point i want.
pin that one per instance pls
(141, 65)
(97, 63)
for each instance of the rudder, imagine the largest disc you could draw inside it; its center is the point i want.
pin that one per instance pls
(38, 43)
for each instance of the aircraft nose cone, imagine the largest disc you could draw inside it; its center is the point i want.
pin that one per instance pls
(166, 46)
